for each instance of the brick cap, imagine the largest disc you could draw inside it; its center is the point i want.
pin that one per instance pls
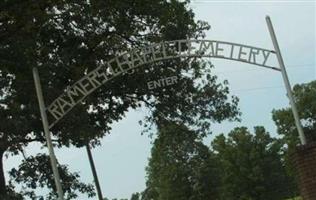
(306, 147)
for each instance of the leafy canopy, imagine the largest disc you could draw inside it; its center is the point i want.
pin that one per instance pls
(304, 96)
(67, 39)
(251, 166)
(181, 167)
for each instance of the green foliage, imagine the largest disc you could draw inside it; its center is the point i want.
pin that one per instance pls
(136, 196)
(66, 39)
(35, 172)
(11, 194)
(181, 167)
(304, 96)
(251, 166)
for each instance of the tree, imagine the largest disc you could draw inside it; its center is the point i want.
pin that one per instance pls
(304, 97)
(252, 168)
(181, 167)
(37, 169)
(67, 39)
(136, 196)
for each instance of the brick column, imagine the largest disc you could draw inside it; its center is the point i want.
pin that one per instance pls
(305, 163)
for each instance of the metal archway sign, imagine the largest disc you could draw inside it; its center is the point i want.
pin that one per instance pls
(154, 53)
(135, 58)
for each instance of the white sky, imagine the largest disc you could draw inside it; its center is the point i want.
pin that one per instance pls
(123, 156)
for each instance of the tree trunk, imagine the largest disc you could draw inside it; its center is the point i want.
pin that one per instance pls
(2, 178)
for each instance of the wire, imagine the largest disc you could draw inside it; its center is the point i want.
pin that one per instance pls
(258, 88)
(245, 70)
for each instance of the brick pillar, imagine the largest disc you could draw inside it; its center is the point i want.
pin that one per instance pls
(305, 163)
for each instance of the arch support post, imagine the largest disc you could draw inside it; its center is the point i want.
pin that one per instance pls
(286, 82)
(47, 133)
(94, 172)
(305, 154)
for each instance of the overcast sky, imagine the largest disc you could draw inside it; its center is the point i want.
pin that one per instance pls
(123, 156)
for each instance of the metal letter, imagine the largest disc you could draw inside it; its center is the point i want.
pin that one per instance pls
(218, 50)
(241, 53)
(53, 110)
(266, 56)
(252, 56)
